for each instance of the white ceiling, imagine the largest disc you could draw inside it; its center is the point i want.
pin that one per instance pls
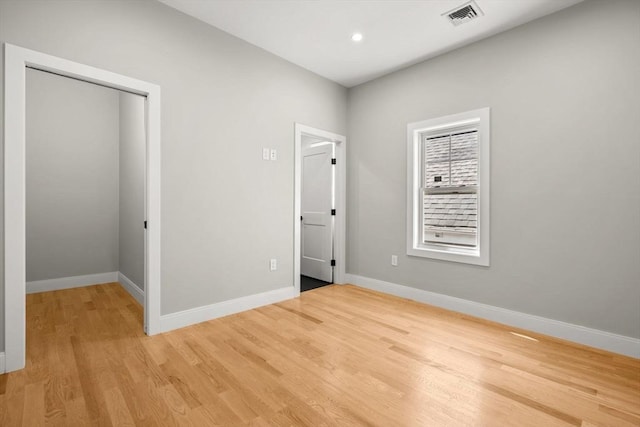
(397, 33)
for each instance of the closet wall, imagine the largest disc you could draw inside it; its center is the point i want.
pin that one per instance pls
(131, 200)
(71, 177)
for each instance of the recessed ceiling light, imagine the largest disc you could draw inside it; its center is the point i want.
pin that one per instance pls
(356, 37)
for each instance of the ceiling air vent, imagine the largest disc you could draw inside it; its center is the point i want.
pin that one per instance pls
(465, 13)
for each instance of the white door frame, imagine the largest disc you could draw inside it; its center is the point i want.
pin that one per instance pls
(340, 184)
(16, 61)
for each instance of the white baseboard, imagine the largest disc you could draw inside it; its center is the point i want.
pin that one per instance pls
(70, 282)
(192, 316)
(3, 367)
(592, 337)
(132, 288)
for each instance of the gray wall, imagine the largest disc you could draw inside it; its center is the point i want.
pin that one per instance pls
(222, 101)
(565, 154)
(132, 169)
(71, 177)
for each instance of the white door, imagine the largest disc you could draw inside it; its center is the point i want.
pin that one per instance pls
(317, 222)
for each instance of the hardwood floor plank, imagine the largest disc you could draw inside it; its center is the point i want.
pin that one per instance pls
(34, 412)
(93, 396)
(117, 408)
(152, 397)
(76, 412)
(238, 405)
(3, 384)
(338, 355)
(12, 401)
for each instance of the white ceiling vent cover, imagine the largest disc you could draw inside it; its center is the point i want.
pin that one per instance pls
(465, 13)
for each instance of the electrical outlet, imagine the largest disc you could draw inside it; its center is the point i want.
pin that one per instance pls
(274, 154)
(273, 264)
(394, 260)
(266, 153)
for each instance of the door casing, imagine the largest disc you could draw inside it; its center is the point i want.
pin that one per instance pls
(16, 61)
(339, 272)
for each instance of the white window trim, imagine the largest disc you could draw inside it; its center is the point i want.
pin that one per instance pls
(480, 254)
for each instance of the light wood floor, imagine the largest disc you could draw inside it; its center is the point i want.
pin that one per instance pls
(338, 355)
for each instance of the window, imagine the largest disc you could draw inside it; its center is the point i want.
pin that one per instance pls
(448, 188)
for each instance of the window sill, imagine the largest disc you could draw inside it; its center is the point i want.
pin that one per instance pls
(449, 253)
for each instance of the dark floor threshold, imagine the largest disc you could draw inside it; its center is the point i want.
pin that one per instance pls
(308, 283)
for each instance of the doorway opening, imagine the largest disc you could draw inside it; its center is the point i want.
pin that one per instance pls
(320, 208)
(317, 213)
(84, 175)
(16, 62)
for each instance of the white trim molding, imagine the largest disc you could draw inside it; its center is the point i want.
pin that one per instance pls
(16, 61)
(193, 316)
(621, 344)
(71, 282)
(2, 364)
(340, 232)
(133, 289)
(479, 120)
